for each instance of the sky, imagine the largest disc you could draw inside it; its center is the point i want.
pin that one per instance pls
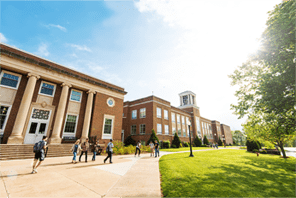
(147, 47)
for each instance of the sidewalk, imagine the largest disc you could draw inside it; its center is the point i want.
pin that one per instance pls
(128, 176)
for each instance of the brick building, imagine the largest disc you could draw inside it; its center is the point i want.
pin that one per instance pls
(142, 115)
(39, 97)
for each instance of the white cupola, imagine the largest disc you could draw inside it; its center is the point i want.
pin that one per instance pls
(187, 99)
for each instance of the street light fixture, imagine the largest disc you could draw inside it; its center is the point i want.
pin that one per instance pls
(191, 155)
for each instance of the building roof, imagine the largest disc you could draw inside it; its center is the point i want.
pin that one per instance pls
(41, 62)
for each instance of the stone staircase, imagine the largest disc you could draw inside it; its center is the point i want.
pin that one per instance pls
(25, 151)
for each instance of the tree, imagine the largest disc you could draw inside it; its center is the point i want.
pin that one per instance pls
(220, 142)
(206, 141)
(129, 141)
(153, 137)
(197, 141)
(238, 137)
(267, 80)
(251, 145)
(176, 141)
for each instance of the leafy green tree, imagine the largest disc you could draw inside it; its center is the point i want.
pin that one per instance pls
(206, 141)
(197, 142)
(153, 137)
(129, 141)
(220, 142)
(176, 141)
(267, 80)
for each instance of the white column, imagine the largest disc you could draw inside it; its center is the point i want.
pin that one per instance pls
(56, 132)
(87, 116)
(16, 136)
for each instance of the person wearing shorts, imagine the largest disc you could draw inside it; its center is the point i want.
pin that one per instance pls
(39, 155)
(152, 149)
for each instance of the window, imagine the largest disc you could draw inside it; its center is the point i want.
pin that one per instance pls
(47, 89)
(166, 129)
(159, 129)
(71, 122)
(178, 118)
(184, 132)
(143, 113)
(174, 130)
(166, 114)
(76, 95)
(9, 79)
(108, 126)
(183, 120)
(185, 100)
(158, 112)
(134, 114)
(133, 129)
(197, 125)
(173, 117)
(4, 113)
(142, 128)
(179, 132)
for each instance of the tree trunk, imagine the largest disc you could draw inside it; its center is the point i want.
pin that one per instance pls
(281, 145)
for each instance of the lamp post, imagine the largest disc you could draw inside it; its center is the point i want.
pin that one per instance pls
(191, 155)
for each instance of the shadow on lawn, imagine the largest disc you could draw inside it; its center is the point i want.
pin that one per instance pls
(260, 178)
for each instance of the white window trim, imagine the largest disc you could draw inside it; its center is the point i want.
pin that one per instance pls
(66, 134)
(140, 129)
(167, 114)
(160, 129)
(8, 113)
(105, 136)
(8, 72)
(132, 129)
(145, 113)
(136, 114)
(166, 132)
(157, 112)
(108, 103)
(76, 91)
(49, 84)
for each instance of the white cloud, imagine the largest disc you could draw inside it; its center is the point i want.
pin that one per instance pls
(56, 26)
(42, 50)
(3, 39)
(80, 47)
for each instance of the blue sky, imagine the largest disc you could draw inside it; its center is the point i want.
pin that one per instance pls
(162, 46)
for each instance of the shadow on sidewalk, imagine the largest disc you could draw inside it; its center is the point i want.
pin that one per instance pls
(14, 175)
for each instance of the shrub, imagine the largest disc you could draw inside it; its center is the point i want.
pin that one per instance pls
(252, 144)
(185, 144)
(166, 144)
(117, 144)
(153, 137)
(203, 145)
(121, 151)
(263, 152)
(255, 150)
(181, 145)
(206, 141)
(197, 141)
(129, 141)
(220, 142)
(174, 146)
(176, 141)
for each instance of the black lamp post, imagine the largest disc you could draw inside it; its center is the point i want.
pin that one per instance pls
(191, 155)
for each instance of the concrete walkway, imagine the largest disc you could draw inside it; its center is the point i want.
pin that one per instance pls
(128, 176)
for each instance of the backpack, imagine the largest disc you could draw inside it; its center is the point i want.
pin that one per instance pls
(108, 148)
(37, 147)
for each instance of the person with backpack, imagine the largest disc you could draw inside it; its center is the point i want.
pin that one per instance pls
(84, 147)
(109, 150)
(156, 146)
(96, 149)
(138, 148)
(152, 149)
(75, 149)
(39, 149)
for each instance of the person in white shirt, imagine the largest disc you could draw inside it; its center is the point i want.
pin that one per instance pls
(152, 149)
(138, 148)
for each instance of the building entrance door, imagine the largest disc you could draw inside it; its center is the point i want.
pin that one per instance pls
(38, 126)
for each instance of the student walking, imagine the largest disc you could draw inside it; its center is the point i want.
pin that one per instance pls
(138, 148)
(109, 151)
(84, 147)
(96, 149)
(39, 149)
(152, 148)
(156, 146)
(75, 149)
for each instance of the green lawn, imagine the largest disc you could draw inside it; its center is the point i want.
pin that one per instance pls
(188, 148)
(227, 173)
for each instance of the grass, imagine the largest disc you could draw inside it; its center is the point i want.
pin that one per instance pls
(227, 173)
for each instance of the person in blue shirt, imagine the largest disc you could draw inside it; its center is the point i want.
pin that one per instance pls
(109, 151)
